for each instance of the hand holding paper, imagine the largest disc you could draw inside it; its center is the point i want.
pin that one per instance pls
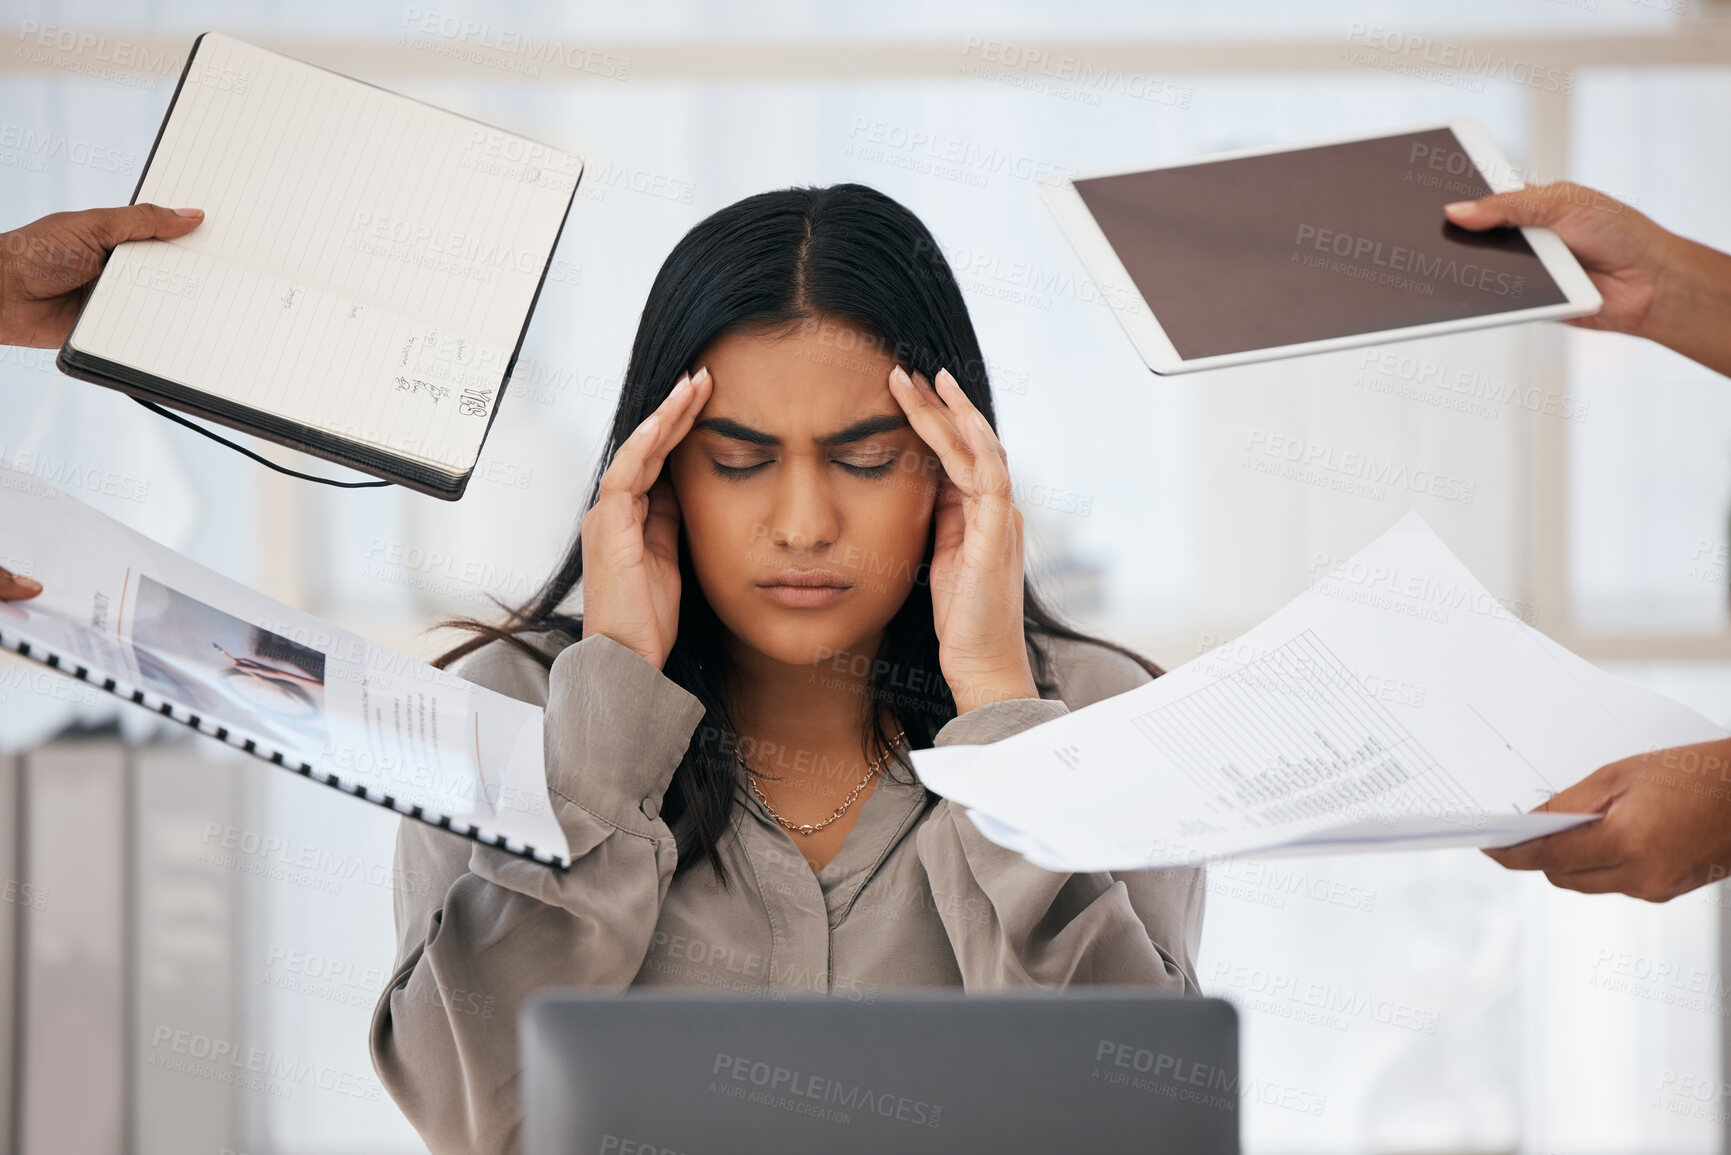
(1666, 827)
(1393, 705)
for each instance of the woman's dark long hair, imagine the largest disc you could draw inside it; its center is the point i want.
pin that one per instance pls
(846, 253)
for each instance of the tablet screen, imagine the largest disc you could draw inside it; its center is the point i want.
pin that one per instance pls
(1331, 241)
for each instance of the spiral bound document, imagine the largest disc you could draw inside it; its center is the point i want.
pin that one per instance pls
(362, 279)
(138, 620)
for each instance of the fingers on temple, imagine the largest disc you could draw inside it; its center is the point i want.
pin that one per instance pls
(931, 419)
(638, 460)
(941, 422)
(991, 460)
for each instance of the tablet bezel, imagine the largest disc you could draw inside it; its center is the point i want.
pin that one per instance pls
(1157, 351)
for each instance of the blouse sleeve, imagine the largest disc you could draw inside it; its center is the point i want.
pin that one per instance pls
(444, 1032)
(1014, 924)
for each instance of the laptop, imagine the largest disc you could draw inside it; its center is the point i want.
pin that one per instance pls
(1099, 1069)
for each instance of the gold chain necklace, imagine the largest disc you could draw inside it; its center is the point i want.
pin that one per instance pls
(807, 827)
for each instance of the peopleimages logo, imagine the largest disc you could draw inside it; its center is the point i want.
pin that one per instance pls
(41, 145)
(256, 1068)
(1427, 57)
(525, 51)
(1348, 471)
(802, 1094)
(1400, 259)
(1189, 1081)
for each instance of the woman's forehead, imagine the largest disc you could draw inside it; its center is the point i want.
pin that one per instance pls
(796, 382)
(824, 342)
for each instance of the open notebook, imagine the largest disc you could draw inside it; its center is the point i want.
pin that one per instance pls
(144, 623)
(362, 279)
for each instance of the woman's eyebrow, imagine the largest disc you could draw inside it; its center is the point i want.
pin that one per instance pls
(858, 431)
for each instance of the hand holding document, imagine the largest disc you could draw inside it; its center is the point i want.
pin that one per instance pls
(1393, 705)
(137, 619)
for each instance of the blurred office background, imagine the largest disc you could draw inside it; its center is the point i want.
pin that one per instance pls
(1420, 1004)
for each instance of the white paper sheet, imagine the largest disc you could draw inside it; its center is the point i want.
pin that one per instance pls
(1393, 705)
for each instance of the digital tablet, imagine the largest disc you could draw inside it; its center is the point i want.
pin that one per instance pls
(1276, 252)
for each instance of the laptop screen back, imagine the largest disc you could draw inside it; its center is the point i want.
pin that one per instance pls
(699, 1074)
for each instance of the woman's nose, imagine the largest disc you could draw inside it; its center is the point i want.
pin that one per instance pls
(804, 515)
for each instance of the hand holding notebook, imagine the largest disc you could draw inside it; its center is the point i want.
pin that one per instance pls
(46, 265)
(363, 278)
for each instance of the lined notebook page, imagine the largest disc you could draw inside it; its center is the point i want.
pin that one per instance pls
(365, 264)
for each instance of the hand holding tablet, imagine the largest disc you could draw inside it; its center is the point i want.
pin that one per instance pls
(1656, 284)
(1620, 250)
(1268, 253)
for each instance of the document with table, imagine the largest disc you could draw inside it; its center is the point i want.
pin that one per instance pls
(1396, 704)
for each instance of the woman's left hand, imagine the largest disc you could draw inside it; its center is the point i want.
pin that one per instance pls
(976, 568)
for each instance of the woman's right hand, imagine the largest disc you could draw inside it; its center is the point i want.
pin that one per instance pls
(15, 589)
(631, 534)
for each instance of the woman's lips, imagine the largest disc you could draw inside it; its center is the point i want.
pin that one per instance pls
(804, 597)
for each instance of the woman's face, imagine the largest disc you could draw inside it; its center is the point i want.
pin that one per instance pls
(802, 460)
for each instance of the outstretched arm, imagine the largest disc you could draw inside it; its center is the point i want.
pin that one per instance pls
(1667, 815)
(46, 266)
(1666, 827)
(1655, 283)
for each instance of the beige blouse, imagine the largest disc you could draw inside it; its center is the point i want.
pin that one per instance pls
(916, 896)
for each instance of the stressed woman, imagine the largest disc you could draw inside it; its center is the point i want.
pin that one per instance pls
(799, 561)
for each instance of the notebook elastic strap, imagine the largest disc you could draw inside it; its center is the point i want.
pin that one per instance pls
(267, 463)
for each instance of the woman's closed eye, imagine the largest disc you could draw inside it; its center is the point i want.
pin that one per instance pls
(860, 464)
